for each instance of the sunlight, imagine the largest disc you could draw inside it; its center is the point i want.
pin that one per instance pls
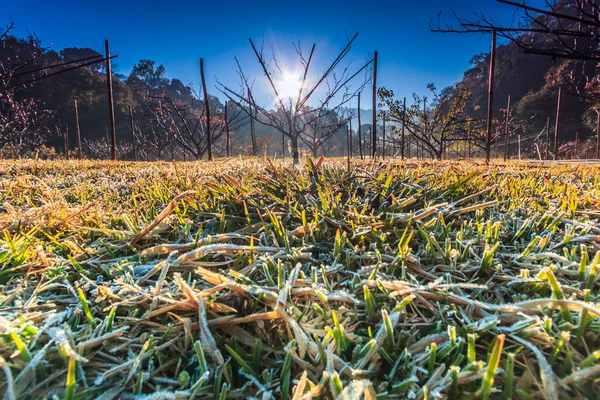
(288, 85)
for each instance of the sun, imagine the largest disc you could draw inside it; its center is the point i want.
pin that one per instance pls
(289, 85)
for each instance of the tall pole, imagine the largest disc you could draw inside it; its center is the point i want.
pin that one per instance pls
(252, 126)
(66, 137)
(403, 123)
(383, 137)
(374, 129)
(469, 149)
(576, 143)
(349, 145)
(548, 137)
(360, 147)
(111, 106)
(79, 149)
(350, 150)
(132, 132)
(227, 129)
(207, 108)
(598, 137)
(557, 126)
(507, 131)
(488, 142)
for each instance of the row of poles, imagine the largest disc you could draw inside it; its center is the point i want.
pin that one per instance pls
(492, 68)
(111, 114)
(489, 137)
(490, 110)
(111, 111)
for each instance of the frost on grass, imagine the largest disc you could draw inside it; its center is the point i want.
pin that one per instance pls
(261, 279)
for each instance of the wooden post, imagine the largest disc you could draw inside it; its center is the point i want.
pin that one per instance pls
(282, 145)
(79, 149)
(132, 132)
(469, 149)
(360, 144)
(111, 106)
(207, 108)
(351, 150)
(507, 131)
(488, 141)
(227, 130)
(66, 138)
(557, 126)
(548, 138)
(403, 140)
(252, 127)
(598, 137)
(383, 137)
(374, 126)
(576, 143)
(424, 127)
(349, 145)
(519, 144)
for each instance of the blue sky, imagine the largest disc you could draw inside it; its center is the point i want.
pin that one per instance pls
(177, 33)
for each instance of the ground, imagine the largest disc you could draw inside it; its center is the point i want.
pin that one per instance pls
(258, 278)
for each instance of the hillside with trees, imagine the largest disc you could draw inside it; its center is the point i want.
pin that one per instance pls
(169, 117)
(541, 50)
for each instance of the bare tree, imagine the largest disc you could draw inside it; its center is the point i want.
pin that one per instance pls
(152, 143)
(102, 148)
(24, 123)
(290, 116)
(186, 122)
(15, 57)
(567, 29)
(434, 129)
(322, 128)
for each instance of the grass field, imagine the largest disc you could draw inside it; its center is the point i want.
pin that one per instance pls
(246, 278)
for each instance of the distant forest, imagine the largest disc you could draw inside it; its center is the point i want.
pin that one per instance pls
(156, 101)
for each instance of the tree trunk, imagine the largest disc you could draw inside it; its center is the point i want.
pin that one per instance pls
(314, 151)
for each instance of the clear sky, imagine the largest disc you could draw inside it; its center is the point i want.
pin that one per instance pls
(177, 33)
